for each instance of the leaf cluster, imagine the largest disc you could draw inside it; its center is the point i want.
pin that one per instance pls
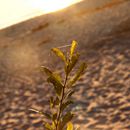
(58, 118)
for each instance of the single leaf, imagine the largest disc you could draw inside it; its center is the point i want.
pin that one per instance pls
(56, 83)
(51, 102)
(60, 127)
(72, 63)
(70, 126)
(66, 118)
(42, 113)
(59, 53)
(54, 116)
(69, 94)
(66, 68)
(47, 115)
(72, 49)
(46, 70)
(64, 105)
(57, 76)
(56, 102)
(48, 126)
(53, 125)
(78, 74)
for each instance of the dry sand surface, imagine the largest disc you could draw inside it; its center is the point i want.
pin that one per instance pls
(103, 94)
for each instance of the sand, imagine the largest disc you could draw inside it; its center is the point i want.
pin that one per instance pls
(102, 98)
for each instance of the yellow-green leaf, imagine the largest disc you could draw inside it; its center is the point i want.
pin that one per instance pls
(59, 53)
(51, 102)
(77, 75)
(57, 76)
(72, 63)
(67, 118)
(64, 105)
(69, 126)
(56, 83)
(48, 126)
(46, 70)
(73, 47)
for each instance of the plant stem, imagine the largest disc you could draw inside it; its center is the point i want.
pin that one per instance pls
(61, 102)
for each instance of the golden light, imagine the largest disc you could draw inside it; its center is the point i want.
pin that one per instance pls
(48, 6)
(21, 10)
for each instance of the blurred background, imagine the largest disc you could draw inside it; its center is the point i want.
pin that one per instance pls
(29, 29)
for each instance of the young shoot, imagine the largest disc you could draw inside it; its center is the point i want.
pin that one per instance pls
(58, 118)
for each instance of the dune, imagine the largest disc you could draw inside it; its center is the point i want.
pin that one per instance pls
(102, 30)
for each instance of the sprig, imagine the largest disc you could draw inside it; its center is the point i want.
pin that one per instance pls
(58, 118)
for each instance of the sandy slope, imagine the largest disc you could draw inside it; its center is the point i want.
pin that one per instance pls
(103, 32)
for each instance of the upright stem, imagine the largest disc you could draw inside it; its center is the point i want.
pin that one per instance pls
(61, 102)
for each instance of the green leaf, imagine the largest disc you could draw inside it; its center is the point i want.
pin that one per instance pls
(55, 79)
(70, 126)
(60, 127)
(51, 102)
(53, 125)
(48, 126)
(71, 64)
(46, 70)
(66, 118)
(69, 94)
(46, 115)
(72, 49)
(59, 53)
(78, 74)
(54, 116)
(42, 113)
(64, 105)
(56, 102)
(57, 76)
(56, 83)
